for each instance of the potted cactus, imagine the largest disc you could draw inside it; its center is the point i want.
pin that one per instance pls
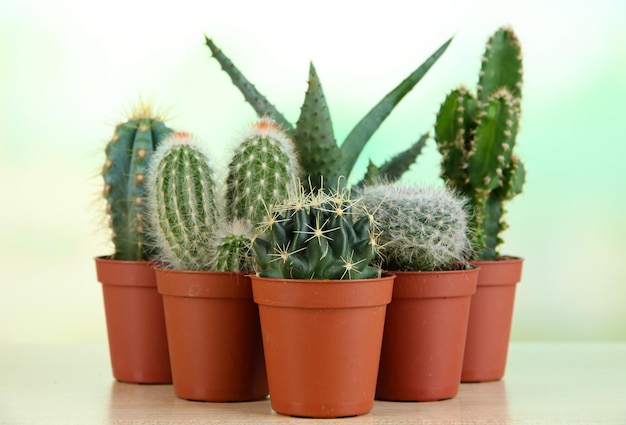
(133, 307)
(203, 233)
(424, 241)
(322, 305)
(323, 162)
(476, 136)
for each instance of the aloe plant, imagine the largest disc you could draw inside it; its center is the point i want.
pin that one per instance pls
(324, 162)
(476, 135)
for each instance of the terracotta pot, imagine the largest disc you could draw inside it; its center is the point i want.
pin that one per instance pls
(135, 321)
(322, 342)
(491, 314)
(214, 335)
(424, 339)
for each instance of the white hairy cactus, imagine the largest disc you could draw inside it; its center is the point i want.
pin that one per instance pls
(421, 228)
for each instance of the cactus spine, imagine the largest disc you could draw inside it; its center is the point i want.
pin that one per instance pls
(128, 156)
(476, 135)
(324, 162)
(261, 171)
(421, 228)
(315, 235)
(183, 202)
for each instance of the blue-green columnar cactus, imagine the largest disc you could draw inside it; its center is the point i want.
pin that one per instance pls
(183, 202)
(421, 228)
(128, 155)
(323, 161)
(261, 172)
(231, 245)
(476, 135)
(317, 236)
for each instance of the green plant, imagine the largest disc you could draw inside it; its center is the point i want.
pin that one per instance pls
(128, 156)
(183, 202)
(421, 228)
(317, 235)
(476, 136)
(261, 171)
(322, 160)
(230, 246)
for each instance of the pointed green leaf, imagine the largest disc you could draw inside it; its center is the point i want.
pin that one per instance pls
(258, 101)
(315, 140)
(362, 132)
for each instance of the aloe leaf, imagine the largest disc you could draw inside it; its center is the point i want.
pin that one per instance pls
(362, 132)
(257, 100)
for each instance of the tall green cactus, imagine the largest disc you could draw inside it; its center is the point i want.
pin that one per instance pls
(323, 161)
(476, 136)
(317, 236)
(128, 156)
(421, 228)
(183, 202)
(261, 171)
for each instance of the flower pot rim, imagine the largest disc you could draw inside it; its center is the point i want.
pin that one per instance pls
(136, 273)
(503, 271)
(322, 294)
(435, 284)
(203, 284)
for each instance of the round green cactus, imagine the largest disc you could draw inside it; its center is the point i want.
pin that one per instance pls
(261, 171)
(317, 236)
(128, 156)
(183, 202)
(421, 228)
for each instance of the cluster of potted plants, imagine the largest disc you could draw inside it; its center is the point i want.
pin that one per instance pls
(279, 278)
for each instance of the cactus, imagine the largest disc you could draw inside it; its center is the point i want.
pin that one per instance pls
(476, 134)
(182, 202)
(261, 171)
(128, 156)
(317, 235)
(421, 228)
(230, 245)
(323, 161)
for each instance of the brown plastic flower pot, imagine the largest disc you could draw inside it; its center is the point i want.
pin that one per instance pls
(214, 335)
(322, 342)
(491, 314)
(424, 338)
(135, 321)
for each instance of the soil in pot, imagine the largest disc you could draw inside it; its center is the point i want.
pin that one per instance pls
(322, 343)
(424, 337)
(491, 315)
(135, 321)
(214, 336)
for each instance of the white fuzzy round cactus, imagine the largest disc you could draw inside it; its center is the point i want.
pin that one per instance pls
(422, 228)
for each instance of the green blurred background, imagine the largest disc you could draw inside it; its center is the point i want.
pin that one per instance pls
(70, 70)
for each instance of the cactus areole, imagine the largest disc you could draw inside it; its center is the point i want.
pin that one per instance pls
(128, 156)
(476, 136)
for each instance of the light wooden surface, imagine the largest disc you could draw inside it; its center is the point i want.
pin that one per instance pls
(545, 384)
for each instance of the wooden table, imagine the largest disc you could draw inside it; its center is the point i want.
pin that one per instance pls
(552, 383)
